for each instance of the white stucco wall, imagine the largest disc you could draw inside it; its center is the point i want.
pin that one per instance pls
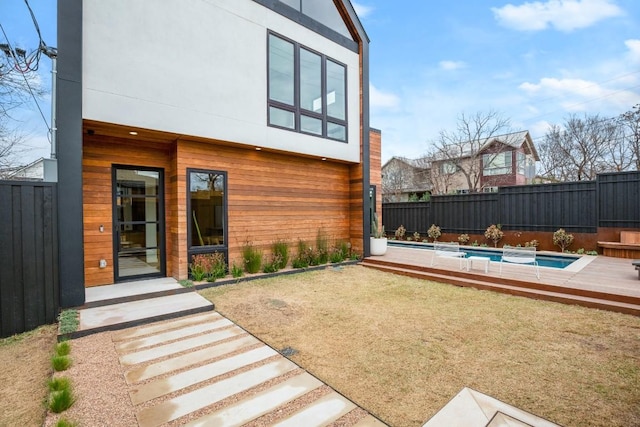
(199, 67)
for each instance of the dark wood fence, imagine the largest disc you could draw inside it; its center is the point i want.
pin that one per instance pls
(29, 289)
(612, 200)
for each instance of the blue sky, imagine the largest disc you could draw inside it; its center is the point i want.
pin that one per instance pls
(534, 62)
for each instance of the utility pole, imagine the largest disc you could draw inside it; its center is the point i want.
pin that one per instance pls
(52, 53)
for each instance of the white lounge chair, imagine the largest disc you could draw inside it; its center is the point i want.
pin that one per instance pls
(522, 256)
(447, 250)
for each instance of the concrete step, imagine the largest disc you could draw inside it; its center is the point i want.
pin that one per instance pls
(127, 314)
(98, 296)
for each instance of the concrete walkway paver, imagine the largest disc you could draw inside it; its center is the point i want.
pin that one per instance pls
(204, 370)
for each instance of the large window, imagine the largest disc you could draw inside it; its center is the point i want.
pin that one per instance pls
(322, 11)
(207, 210)
(307, 90)
(497, 163)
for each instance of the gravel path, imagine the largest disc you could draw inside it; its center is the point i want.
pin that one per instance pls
(129, 377)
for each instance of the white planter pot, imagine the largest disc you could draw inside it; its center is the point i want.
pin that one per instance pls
(378, 246)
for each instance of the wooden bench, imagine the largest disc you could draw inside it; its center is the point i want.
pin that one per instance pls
(636, 263)
(447, 250)
(521, 256)
(627, 247)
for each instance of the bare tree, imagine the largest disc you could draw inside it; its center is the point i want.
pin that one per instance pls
(582, 148)
(18, 86)
(457, 153)
(395, 177)
(630, 122)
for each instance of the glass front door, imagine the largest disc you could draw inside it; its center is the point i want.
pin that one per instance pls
(138, 211)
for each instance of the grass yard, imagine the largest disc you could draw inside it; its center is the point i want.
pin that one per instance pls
(26, 367)
(402, 348)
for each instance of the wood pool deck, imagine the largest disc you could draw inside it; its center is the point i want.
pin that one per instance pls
(592, 281)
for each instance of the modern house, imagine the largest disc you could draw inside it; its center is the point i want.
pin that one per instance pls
(470, 166)
(201, 125)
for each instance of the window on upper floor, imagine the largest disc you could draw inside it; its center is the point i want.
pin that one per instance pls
(521, 163)
(322, 11)
(448, 168)
(307, 90)
(497, 163)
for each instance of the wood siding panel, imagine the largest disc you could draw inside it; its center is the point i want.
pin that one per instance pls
(99, 154)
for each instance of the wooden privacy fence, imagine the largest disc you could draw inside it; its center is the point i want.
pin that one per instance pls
(612, 200)
(29, 292)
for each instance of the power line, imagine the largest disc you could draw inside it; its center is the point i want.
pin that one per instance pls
(13, 54)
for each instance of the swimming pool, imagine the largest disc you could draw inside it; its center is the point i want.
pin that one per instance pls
(544, 260)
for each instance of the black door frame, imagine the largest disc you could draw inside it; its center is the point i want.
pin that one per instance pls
(116, 224)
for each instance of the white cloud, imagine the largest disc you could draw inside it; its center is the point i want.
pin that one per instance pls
(578, 94)
(563, 15)
(362, 10)
(634, 49)
(451, 65)
(380, 99)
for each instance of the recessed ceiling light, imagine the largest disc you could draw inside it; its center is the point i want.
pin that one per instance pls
(258, 149)
(324, 159)
(134, 133)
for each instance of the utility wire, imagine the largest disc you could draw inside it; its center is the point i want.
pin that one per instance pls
(13, 54)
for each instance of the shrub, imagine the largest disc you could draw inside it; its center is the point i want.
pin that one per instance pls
(68, 321)
(252, 258)
(208, 266)
(434, 232)
(336, 255)
(562, 238)
(494, 233)
(322, 248)
(61, 400)
(236, 271)
(59, 383)
(63, 348)
(60, 363)
(416, 236)
(533, 243)
(463, 239)
(272, 265)
(414, 197)
(400, 232)
(63, 422)
(186, 283)
(303, 257)
(280, 249)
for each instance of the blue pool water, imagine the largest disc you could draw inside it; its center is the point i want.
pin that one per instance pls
(544, 260)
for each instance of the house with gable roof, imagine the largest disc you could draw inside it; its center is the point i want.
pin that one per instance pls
(199, 126)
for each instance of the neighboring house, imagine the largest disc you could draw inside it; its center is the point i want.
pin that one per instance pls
(199, 126)
(404, 178)
(497, 161)
(38, 170)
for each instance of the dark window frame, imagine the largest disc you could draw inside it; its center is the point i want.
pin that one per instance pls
(207, 249)
(297, 109)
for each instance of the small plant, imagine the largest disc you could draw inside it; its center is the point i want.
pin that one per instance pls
(60, 363)
(400, 232)
(416, 236)
(63, 348)
(376, 228)
(580, 251)
(322, 248)
(304, 255)
(562, 238)
(59, 384)
(425, 197)
(61, 400)
(280, 249)
(336, 255)
(272, 265)
(494, 233)
(186, 283)
(68, 321)
(252, 258)
(475, 243)
(592, 252)
(63, 422)
(463, 239)
(533, 243)
(236, 271)
(414, 197)
(208, 267)
(434, 232)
